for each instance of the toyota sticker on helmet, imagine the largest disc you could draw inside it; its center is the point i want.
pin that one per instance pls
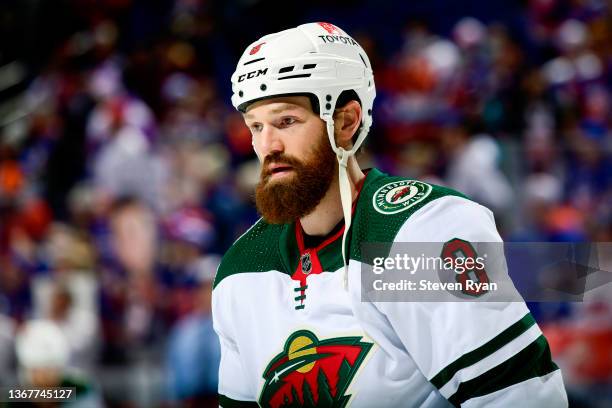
(338, 38)
(398, 196)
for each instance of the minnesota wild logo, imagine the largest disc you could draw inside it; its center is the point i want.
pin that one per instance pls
(398, 196)
(312, 373)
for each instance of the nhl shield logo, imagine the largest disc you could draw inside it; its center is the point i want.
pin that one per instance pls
(306, 264)
(398, 196)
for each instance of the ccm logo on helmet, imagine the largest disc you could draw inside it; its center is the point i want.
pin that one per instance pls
(252, 74)
(337, 38)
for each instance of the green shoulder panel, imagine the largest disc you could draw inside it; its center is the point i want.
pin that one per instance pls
(257, 250)
(384, 205)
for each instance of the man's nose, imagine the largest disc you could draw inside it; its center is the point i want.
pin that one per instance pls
(270, 141)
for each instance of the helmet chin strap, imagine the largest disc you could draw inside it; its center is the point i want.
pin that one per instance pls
(346, 197)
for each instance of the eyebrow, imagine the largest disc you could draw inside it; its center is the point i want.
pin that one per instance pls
(281, 108)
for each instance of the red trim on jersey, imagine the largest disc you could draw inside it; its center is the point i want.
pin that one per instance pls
(314, 257)
(299, 231)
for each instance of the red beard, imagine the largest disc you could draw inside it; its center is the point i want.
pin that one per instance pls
(298, 194)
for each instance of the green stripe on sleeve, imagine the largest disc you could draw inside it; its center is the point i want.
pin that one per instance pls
(227, 402)
(490, 347)
(533, 361)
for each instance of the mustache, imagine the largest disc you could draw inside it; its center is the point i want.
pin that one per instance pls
(278, 157)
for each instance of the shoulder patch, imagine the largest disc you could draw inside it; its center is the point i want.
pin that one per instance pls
(384, 205)
(398, 196)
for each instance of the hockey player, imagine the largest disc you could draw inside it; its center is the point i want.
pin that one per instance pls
(287, 299)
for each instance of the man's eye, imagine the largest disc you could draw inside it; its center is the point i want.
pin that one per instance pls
(287, 121)
(256, 127)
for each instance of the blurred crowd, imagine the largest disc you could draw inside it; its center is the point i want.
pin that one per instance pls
(125, 174)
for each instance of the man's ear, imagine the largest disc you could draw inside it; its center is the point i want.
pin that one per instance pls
(346, 122)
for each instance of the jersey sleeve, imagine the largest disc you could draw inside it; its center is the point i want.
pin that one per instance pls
(234, 388)
(476, 353)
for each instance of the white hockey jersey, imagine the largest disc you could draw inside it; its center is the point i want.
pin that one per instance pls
(292, 336)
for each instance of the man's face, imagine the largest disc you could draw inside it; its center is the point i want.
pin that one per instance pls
(298, 164)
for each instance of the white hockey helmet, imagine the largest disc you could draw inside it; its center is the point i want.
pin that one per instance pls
(316, 59)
